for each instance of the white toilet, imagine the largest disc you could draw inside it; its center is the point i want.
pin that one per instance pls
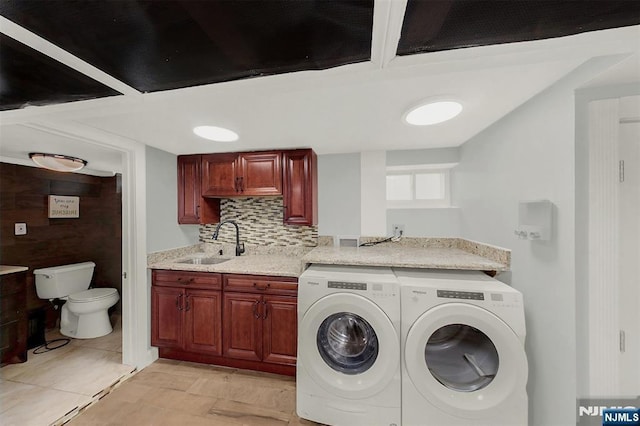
(84, 315)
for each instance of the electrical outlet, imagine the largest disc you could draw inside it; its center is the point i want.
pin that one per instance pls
(21, 229)
(398, 230)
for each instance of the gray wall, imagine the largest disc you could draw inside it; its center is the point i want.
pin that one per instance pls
(163, 231)
(433, 222)
(528, 155)
(425, 222)
(423, 156)
(339, 194)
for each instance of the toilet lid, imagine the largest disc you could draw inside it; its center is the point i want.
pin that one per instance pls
(92, 295)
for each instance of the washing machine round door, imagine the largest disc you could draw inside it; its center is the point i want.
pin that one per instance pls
(465, 360)
(348, 346)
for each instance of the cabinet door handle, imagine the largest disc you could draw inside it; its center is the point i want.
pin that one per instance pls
(187, 307)
(237, 184)
(198, 211)
(241, 183)
(179, 302)
(266, 310)
(256, 314)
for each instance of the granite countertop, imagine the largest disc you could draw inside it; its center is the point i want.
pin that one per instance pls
(282, 266)
(428, 253)
(281, 262)
(432, 253)
(8, 269)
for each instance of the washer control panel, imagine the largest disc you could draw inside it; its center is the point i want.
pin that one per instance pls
(465, 295)
(347, 285)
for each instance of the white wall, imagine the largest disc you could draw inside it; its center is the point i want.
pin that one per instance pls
(434, 222)
(425, 222)
(412, 157)
(163, 231)
(528, 155)
(339, 194)
(373, 194)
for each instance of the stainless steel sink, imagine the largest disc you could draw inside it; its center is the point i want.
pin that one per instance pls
(203, 260)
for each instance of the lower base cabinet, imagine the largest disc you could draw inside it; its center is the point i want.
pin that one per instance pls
(260, 327)
(241, 321)
(13, 318)
(186, 312)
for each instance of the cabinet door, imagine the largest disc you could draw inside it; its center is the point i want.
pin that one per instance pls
(167, 305)
(13, 318)
(260, 173)
(280, 332)
(300, 187)
(242, 334)
(189, 189)
(192, 208)
(203, 314)
(219, 173)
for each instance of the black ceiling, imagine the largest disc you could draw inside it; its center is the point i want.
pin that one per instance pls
(434, 25)
(160, 45)
(30, 78)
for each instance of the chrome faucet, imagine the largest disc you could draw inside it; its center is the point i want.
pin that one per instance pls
(239, 245)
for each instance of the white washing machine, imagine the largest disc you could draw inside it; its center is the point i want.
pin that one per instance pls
(348, 370)
(463, 358)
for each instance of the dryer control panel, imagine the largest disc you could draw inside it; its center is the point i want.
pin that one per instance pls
(465, 295)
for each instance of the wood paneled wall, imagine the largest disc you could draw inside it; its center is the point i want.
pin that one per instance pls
(95, 236)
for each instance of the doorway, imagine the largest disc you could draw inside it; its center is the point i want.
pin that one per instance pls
(612, 318)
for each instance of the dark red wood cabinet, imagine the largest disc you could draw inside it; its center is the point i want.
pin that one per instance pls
(13, 318)
(193, 208)
(186, 311)
(300, 187)
(205, 178)
(260, 318)
(248, 322)
(242, 174)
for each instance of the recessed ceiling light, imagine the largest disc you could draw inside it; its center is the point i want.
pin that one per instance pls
(218, 134)
(433, 113)
(57, 162)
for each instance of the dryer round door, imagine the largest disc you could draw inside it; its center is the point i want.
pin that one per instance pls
(348, 345)
(465, 360)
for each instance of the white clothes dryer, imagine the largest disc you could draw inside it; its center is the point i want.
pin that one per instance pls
(348, 370)
(463, 358)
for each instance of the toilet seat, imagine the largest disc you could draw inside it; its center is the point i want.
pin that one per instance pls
(92, 295)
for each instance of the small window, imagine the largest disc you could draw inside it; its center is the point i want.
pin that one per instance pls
(418, 186)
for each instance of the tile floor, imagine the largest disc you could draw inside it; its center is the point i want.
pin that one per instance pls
(52, 387)
(182, 393)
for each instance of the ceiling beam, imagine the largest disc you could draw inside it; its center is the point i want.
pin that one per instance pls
(388, 16)
(49, 49)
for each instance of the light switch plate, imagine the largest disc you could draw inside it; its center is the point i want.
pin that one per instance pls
(21, 229)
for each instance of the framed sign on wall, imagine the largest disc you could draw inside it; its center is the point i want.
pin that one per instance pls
(64, 206)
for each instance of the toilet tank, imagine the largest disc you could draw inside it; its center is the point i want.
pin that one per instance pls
(61, 281)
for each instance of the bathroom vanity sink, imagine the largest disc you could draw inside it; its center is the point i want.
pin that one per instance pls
(203, 260)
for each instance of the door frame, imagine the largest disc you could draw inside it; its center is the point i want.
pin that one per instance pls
(596, 336)
(136, 291)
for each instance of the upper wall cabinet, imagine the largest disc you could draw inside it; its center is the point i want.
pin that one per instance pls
(300, 187)
(205, 178)
(242, 174)
(192, 207)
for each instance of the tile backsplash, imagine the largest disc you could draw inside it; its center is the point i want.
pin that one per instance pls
(260, 222)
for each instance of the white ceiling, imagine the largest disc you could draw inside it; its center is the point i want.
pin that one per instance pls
(347, 109)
